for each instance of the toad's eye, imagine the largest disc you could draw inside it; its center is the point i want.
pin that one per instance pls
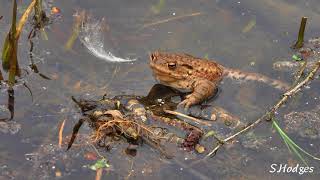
(172, 65)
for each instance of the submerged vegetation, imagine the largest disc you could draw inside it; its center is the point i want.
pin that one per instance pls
(292, 146)
(10, 48)
(9, 56)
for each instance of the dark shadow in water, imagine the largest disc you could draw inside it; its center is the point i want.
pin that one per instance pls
(159, 91)
(1, 77)
(11, 102)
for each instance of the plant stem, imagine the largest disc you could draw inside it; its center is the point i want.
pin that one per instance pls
(300, 40)
(14, 43)
(1, 77)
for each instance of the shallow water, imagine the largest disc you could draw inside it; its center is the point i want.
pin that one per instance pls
(221, 32)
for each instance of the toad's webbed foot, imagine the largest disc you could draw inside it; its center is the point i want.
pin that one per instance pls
(189, 101)
(203, 89)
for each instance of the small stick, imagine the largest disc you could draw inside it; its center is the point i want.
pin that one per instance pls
(300, 40)
(186, 116)
(305, 81)
(299, 73)
(284, 99)
(61, 133)
(130, 171)
(213, 152)
(171, 19)
(99, 174)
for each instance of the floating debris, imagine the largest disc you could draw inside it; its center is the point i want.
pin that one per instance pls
(309, 53)
(91, 35)
(109, 118)
(101, 163)
(158, 7)
(251, 24)
(287, 66)
(10, 127)
(192, 140)
(296, 57)
(55, 10)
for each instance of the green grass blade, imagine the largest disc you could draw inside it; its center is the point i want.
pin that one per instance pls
(287, 142)
(302, 150)
(292, 146)
(6, 52)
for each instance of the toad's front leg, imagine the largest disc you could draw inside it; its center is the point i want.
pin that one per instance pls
(202, 90)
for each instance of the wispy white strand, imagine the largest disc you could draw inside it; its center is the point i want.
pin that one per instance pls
(92, 38)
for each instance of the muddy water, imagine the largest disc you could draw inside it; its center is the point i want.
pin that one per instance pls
(247, 34)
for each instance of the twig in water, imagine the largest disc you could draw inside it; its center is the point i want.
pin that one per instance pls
(130, 171)
(188, 117)
(99, 173)
(269, 113)
(61, 133)
(171, 19)
(299, 73)
(310, 76)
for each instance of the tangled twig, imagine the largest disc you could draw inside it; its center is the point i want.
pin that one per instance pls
(291, 92)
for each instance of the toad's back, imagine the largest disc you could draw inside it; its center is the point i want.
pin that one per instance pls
(200, 76)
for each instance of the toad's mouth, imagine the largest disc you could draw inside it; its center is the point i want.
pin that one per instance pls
(163, 74)
(160, 71)
(165, 77)
(171, 82)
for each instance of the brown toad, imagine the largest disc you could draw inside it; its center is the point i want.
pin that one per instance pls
(199, 76)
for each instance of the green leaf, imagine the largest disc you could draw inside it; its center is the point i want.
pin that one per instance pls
(6, 53)
(296, 57)
(210, 133)
(10, 43)
(101, 163)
